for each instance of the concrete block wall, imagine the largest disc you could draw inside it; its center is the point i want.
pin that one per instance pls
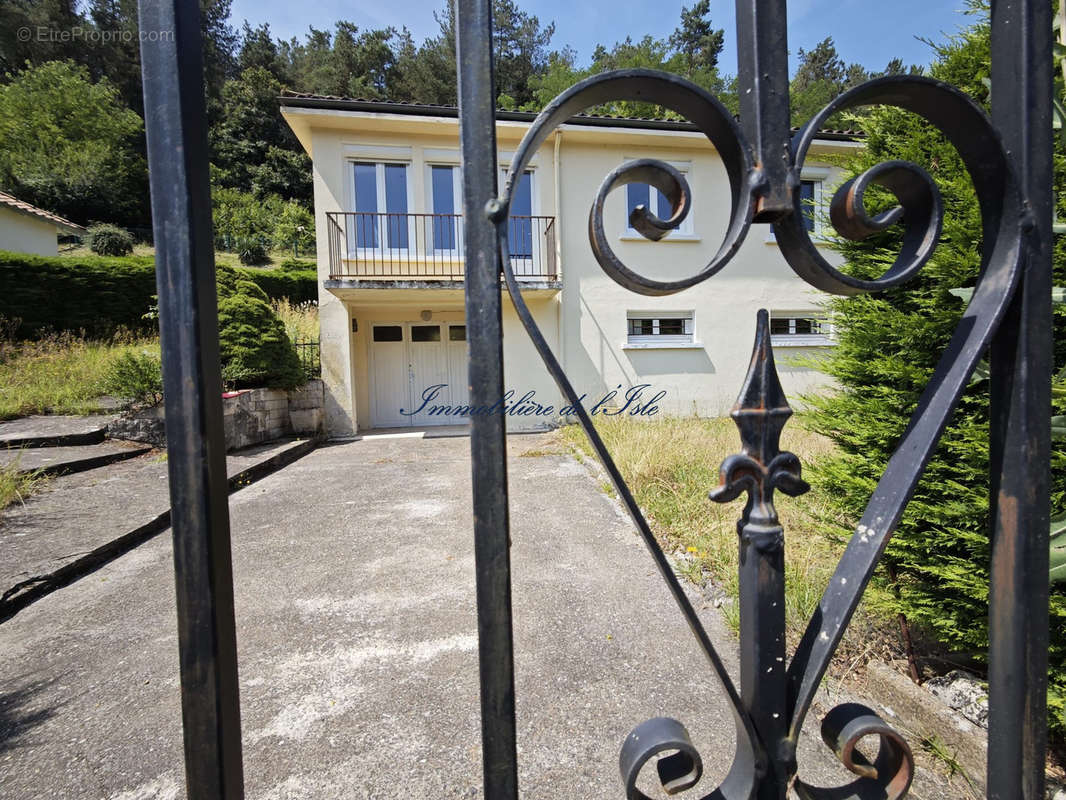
(249, 417)
(259, 415)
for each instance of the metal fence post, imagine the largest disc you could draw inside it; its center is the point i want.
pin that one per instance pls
(176, 127)
(1020, 415)
(477, 133)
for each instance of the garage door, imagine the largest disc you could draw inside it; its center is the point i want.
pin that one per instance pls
(407, 359)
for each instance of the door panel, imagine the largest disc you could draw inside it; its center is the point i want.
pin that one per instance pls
(429, 367)
(408, 358)
(457, 378)
(390, 384)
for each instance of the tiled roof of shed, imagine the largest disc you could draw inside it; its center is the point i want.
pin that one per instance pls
(9, 201)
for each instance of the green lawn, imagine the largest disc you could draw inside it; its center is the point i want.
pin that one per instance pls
(222, 257)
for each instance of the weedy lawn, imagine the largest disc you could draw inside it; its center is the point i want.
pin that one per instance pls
(61, 373)
(671, 464)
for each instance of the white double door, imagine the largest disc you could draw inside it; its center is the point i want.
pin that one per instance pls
(409, 363)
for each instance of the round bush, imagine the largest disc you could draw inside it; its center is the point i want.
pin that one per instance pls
(253, 344)
(110, 240)
(137, 377)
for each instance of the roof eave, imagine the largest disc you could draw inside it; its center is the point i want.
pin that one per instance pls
(422, 110)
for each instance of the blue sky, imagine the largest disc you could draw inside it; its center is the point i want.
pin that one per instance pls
(869, 32)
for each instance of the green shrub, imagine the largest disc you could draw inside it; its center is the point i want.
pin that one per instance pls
(137, 377)
(110, 240)
(253, 253)
(296, 265)
(295, 226)
(241, 217)
(98, 295)
(888, 345)
(297, 287)
(253, 345)
(93, 294)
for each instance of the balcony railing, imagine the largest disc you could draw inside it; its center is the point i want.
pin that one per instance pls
(429, 246)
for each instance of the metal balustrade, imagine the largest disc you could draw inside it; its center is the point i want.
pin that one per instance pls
(429, 246)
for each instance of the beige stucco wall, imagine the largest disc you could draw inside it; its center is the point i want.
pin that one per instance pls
(586, 321)
(21, 233)
(704, 380)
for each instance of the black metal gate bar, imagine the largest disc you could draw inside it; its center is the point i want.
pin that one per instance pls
(176, 128)
(1020, 413)
(762, 84)
(477, 133)
(764, 168)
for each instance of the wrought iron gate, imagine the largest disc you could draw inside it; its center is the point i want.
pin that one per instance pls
(1009, 160)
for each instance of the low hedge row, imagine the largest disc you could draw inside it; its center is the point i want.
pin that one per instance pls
(98, 294)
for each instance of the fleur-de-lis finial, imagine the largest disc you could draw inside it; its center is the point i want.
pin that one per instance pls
(760, 413)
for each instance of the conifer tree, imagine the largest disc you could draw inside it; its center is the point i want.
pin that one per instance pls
(888, 344)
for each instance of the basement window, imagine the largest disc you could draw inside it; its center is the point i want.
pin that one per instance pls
(660, 329)
(800, 329)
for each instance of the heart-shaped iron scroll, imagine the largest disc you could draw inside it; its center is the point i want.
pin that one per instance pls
(1005, 221)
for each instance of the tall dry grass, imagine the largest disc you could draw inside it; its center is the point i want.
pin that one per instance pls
(671, 464)
(60, 373)
(16, 486)
(300, 319)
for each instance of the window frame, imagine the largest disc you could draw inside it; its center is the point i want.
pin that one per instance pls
(457, 205)
(818, 176)
(824, 338)
(661, 341)
(379, 162)
(687, 230)
(534, 256)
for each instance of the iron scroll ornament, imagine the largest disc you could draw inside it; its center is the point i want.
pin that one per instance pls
(761, 756)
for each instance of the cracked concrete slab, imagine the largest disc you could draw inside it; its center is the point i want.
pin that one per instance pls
(68, 460)
(79, 514)
(45, 430)
(354, 582)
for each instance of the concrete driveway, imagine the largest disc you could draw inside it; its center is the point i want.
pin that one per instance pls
(356, 626)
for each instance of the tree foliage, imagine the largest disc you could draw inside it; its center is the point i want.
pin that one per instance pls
(822, 75)
(250, 150)
(691, 50)
(71, 145)
(888, 346)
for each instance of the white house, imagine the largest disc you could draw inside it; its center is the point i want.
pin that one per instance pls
(24, 228)
(388, 209)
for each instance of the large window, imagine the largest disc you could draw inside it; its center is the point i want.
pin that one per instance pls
(445, 188)
(381, 220)
(520, 227)
(660, 328)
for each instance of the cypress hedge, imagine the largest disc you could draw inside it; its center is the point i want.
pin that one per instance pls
(888, 343)
(96, 294)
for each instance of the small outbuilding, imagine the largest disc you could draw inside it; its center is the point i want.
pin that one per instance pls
(24, 228)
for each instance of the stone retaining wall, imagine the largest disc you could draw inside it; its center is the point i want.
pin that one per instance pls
(250, 417)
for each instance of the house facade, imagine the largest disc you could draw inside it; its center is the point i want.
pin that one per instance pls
(24, 228)
(388, 213)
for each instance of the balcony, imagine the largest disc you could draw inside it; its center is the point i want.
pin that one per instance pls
(428, 247)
